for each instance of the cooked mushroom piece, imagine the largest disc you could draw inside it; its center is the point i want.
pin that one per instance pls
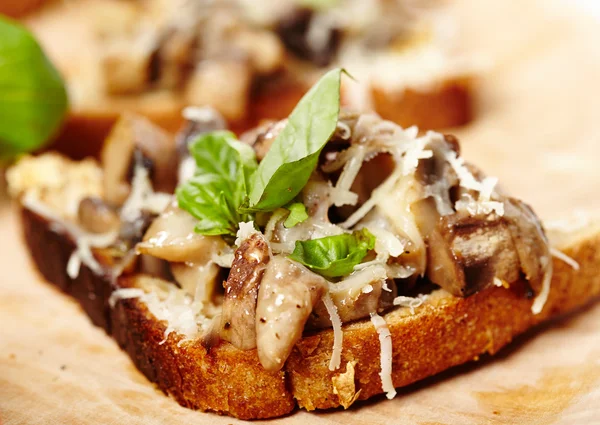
(287, 295)
(468, 248)
(171, 236)
(238, 319)
(155, 150)
(96, 216)
(223, 83)
(318, 45)
(356, 297)
(198, 280)
(125, 64)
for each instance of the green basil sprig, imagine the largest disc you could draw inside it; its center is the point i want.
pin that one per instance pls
(297, 214)
(292, 158)
(334, 256)
(214, 194)
(33, 98)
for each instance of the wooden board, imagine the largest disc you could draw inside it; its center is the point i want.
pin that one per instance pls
(537, 130)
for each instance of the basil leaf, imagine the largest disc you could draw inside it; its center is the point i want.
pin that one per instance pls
(334, 256)
(33, 99)
(290, 161)
(297, 214)
(219, 185)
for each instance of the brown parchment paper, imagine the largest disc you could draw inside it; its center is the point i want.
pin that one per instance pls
(538, 130)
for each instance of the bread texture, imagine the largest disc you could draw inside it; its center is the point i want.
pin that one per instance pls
(445, 331)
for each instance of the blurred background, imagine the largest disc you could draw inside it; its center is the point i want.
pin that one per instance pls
(517, 82)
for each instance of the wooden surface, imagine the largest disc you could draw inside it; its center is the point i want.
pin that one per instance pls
(538, 130)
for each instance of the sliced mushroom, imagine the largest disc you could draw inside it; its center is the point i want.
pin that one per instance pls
(263, 137)
(198, 280)
(224, 84)
(467, 250)
(530, 241)
(264, 49)
(155, 150)
(356, 297)
(287, 295)
(125, 63)
(172, 237)
(96, 216)
(173, 57)
(241, 290)
(298, 33)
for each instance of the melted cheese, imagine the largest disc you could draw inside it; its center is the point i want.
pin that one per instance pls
(385, 342)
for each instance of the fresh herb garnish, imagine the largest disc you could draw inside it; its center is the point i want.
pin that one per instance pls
(297, 214)
(219, 186)
(33, 99)
(292, 158)
(334, 256)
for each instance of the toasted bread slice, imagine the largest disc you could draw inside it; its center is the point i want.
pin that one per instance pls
(18, 8)
(445, 331)
(64, 30)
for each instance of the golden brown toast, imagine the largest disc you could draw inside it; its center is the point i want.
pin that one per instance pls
(445, 331)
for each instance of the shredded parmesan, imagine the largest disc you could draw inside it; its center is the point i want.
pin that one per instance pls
(143, 197)
(83, 252)
(246, 229)
(385, 341)
(181, 313)
(338, 334)
(485, 189)
(564, 258)
(201, 114)
(540, 300)
(411, 302)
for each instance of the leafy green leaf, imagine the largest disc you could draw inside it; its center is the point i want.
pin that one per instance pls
(286, 168)
(297, 214)
(334, 256)
(33, 99)
(219, 186)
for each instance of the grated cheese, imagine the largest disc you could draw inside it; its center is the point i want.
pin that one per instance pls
(201, 114)
(411, 302)
(181, 313)
(564, 258)
(83, 252)
(246, 229)
(143, 197)
(540, 300)
(485, 189)
(385, 342)
(338, 335)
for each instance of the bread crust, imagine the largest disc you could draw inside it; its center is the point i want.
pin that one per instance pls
(447, 103)
(444, 332)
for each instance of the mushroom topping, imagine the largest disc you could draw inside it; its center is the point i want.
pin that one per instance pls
(135, 142)
(286, 297)
(95, 216)
(171, 237)
(355, 297)
(307, 38)
(471, 242)
(241, 290)
(197, 279)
